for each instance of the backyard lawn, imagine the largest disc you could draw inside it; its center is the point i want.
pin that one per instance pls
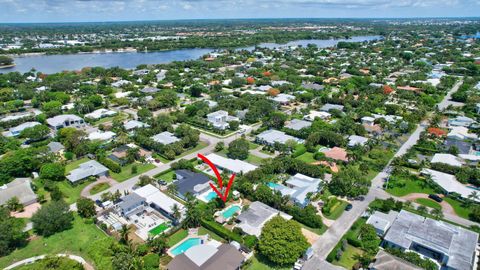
(126, 172)
(428, 203)
(99, 188)
(306, 157)
(177, 237)
(85, 240)
(203, 231)
(347, 260)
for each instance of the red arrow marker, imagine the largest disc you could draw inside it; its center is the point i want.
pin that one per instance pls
(219, 178)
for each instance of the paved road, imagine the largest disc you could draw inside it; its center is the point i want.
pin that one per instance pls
(448, 98)
(327, 241)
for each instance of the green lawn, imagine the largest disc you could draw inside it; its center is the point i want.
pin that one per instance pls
(199, 146)
(306, 157)
(99, 188)
(159, 229)
(336, 210)
(399, 186)
(258, 263)
(177, 237)
(72, 192)
(252, 145)
(347, 260)
(318, 231)
(85, 240)
(74, 164)
(460, 209)
(120, 116)
(428, 203)
(203, 231)
(126, 172)
(168, 175)
(254, 159)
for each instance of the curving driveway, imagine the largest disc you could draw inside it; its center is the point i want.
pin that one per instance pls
(79, 259)
(86, 191)
(446, 207)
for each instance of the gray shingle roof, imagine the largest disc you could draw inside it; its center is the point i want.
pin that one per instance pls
(297, 124)
(89, 168)
(165, 138)
(455, 242)
(19, 188)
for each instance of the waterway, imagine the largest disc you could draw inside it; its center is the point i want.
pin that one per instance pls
(56, 63)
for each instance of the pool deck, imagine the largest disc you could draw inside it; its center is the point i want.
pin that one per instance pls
(193, 233)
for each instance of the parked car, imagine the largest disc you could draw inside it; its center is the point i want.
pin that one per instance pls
(435, 197)
(162, 182)
(349, 207)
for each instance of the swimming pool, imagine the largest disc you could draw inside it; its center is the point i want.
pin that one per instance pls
(210, 196)
(185, 245)
(231, 211)
(273, 185)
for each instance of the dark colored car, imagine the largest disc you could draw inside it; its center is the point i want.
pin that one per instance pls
(349, 207)
(162, 182)
(435, 197)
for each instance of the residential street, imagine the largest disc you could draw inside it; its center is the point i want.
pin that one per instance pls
(330, 238)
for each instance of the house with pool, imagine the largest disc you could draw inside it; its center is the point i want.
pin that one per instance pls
(196, 184)
(195, 254)
(148, 209)
(252, 220)
(298, 188)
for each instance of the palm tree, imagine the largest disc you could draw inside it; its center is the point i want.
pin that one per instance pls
(176, 212)
(124, 233)
(474, 196)
(172, 189)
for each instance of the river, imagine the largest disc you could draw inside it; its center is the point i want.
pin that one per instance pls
(56, 63)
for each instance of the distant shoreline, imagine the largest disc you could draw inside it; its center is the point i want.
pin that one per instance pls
(7, 66)
(132, 50)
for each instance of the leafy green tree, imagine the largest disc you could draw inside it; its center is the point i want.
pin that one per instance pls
(219, 147)
(349, 182)
(56, 263)
(5, 60)
(53, 171)
(158, 244)
(52, 218)
(52, 108)
(85, 207)
(282, 241)
(14, 204)
(35, 133)
(238, 149)
(276, 120)
(11, 232)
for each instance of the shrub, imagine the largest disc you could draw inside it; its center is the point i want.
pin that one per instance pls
(221, 231)
(111, 165)
(151, 261)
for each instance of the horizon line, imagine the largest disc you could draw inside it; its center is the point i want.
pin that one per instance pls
(244, 19)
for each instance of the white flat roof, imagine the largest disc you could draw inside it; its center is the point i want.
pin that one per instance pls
(449, 183)
(160, 199)
(233, 165)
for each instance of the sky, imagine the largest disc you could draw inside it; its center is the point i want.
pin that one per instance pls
(26, 11)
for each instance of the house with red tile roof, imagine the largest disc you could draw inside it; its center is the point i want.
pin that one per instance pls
(438, 132)
(336, 153)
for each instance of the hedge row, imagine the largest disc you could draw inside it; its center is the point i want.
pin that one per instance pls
(221, 231)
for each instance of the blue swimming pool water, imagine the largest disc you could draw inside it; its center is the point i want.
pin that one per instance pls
(273, 185)
(231, 211)
(211, 195)
(185, 245)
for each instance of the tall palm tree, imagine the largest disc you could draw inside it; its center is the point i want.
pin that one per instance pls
(172, 189)
(124, 233)
(176, 212)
